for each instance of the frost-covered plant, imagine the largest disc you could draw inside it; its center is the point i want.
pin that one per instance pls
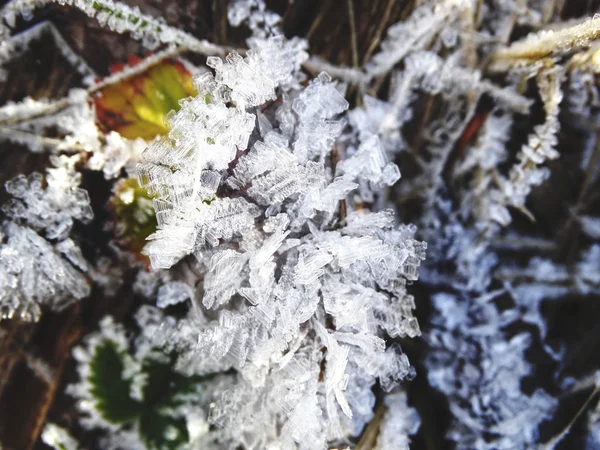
(39, 263)
(399, 423)
(483, 380)
(304, 292)
(137, 394)
(301, 281)
(276, 258)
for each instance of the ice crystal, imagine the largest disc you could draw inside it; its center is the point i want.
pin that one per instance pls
(40, 264)
(301, 301)
(51, 209)
(399, 423)
(58, 438)
(254, 13)
(36, 273)
(488, 372)
(117, 154)
(416, 33)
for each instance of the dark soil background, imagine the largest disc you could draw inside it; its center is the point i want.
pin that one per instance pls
(27, 401)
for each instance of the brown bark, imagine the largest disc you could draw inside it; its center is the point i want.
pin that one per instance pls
(29, 387)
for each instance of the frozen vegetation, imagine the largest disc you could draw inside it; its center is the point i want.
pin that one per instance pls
(261, 210)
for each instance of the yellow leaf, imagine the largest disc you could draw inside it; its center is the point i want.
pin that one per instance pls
(136, 106)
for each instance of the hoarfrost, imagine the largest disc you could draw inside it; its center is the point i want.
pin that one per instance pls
(39, 264)
(299, 301)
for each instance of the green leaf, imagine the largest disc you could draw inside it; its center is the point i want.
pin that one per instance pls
(110, 389)
(161, 432)
(164, 385)
(157, 427)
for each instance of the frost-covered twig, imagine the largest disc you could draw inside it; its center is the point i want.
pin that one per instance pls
(120, 18)
(352, 75)
(552, 443)
(37, 143)
(550, 42)
(539, 148)
(414, 34)
(435, 75)
(16, 45)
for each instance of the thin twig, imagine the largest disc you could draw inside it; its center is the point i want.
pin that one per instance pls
(379, 32)
(587, 181)
(559, 437)
(589, 174)
(353, 36)
(220, 21)
(324, 9)
(335, 159)
(371, 433)
(44, 142)
(548, 11)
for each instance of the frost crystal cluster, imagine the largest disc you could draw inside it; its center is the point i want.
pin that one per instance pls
(297, 297)
(39, 263)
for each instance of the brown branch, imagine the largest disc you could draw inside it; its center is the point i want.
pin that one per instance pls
(353, 36)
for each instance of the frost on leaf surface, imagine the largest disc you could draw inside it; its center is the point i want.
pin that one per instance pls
(130, 388)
